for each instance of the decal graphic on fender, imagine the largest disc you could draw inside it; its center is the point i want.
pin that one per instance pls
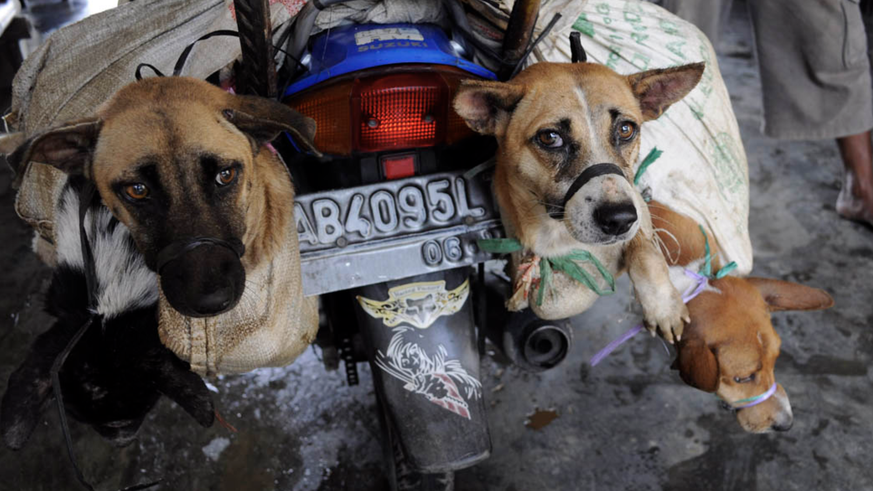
(441, 381)
(418, 304)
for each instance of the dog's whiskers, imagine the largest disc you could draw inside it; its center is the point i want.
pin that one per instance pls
(664, 247)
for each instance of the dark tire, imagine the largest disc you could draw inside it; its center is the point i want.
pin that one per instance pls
(400, 474)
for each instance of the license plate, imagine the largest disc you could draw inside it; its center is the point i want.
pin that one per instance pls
(348, 216)
(369, 234)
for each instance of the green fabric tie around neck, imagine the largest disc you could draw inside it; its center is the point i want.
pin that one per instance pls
(566, 264)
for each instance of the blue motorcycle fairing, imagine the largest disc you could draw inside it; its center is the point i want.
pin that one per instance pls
(351, 48)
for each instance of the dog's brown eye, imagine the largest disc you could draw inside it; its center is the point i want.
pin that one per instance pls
(226, 176)
(137, 191)
(739, 380)
(550, 139)
(626, 130)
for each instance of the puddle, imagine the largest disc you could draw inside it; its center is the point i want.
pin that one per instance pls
(540, 418)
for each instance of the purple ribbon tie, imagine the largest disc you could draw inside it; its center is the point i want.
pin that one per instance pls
(690, 294)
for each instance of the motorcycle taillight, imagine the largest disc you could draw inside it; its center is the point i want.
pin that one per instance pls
(329, 107)
(408, 107)
(400, 111)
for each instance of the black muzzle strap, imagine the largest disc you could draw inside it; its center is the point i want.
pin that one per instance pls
(589, 174)
(182, 247)
(557, 212)
(86, 199)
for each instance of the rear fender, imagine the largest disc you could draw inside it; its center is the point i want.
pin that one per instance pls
(421, 345)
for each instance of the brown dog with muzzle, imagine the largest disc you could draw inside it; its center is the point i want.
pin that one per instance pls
(568, 138)
(184, 166)
(180, 163)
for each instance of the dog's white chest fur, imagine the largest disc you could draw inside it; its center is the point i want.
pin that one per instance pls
(123, 280)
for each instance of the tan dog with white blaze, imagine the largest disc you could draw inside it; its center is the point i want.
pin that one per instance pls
(568, 137)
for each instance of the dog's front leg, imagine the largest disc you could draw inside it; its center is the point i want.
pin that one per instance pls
(662, 304)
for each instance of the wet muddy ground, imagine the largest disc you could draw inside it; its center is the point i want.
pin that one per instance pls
(628, 424)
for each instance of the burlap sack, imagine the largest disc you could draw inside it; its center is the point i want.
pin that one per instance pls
(271, 326)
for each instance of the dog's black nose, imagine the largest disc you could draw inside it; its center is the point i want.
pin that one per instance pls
(783, 426)
(215, 302)
(615, 219)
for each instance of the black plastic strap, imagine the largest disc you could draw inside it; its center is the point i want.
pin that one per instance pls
(138, 72)
(533, 45)
(59, 397)
(86, 198)
(589, 174)
(180, 63)
(177, 249)
(577, 52)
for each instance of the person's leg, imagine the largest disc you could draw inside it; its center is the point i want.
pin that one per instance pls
(816, 83)
(855, 201)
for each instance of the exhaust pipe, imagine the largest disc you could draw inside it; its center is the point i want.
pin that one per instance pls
(528, 341)
(532, 343)
(544, 345)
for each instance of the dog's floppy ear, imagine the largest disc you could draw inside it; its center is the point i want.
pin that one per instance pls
(264, 120)
(658, 89)
(484, 105)
(784, 295)
(68, 147)
(697, 365)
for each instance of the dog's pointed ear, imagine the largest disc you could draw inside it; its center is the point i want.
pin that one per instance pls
(784, 295)
(697, 365)
(264, 120)
(68, 147)
(658, 89)
(485, 106)
(174, 379)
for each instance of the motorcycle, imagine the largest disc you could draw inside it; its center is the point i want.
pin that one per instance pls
(389, 220)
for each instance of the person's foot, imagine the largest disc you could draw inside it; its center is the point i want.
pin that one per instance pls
(855, 201)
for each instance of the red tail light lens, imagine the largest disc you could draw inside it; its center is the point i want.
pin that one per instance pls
(400, 111)
(386, 111)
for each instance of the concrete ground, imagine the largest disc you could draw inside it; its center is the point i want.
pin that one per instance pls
(628, 424)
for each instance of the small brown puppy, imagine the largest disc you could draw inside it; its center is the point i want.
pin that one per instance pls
(730, 346)
(568, 137)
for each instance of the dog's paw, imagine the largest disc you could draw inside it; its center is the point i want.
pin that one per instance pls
(667, 316)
